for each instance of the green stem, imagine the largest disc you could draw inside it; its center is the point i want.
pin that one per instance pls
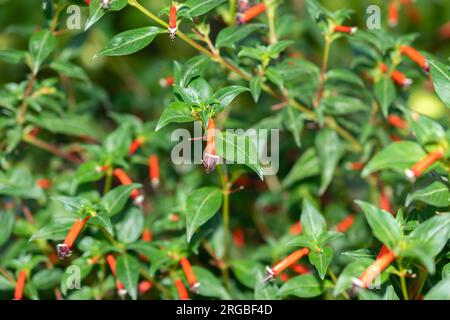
(24, 106)
(226, 222)
(326, 58)
(108, 180)
(403, 281)
(232, 11)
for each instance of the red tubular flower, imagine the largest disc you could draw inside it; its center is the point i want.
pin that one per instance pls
(397, 122)
(345, 29)
(271, 273)
(393, 14)
(173, 21)
(210, 159)
(20, 285)
(416, 56)
(154, 171)
(125, 180)
(112, 265)
(444, 31)
(239, 238)
(145, 286)
(135, 145)
(194, 285)
(383, 260)
(346, 223)
(355, 166)
(147, 235)
(167, 81)
(44, 183)
(296, 229)
(299, 268)
(63, 249)
(397, 76)
(251, 13)
(420, 167)
(181, 289)
(87, 1)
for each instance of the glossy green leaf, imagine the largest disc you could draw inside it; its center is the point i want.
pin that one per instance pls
(307, 166)
(228, 37)
(304, 286)
(42, 44)
(175, 112)
(440, 73)
(321, 260)
(114, 201)
(313, 223)
(7, 219)
(96, 10)
(129, 229)
(436, 194)
(200, 7)
(385, 93)
(128, 273)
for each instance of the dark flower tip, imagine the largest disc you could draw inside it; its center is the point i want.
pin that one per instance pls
(63, 251)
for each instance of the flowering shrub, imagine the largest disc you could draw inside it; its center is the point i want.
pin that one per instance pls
(94, 206)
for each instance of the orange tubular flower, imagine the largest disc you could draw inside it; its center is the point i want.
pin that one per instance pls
(397, 76)
(173, 21)
(416, 56)
(154, 171)
(393, 14)
(147, 235)
(20, 285)
(135, 145)
(63, 249)
(383, 260)
(125, 180)
(346, 223)
(420, 167)
(296, 229)
(251, 13)
(167, 82)
(397, 122)
(345, 29)
(181, 289)
(112, 265)
(210, 159)
(44, 183)
(194, 285)
(271, 273)
(145, 286)
(299, 268)
(355, 166)
(238, 238)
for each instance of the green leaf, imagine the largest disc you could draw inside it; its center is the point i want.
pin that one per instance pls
(118, 142)
(130, 41)
(244, 270)
(433, 234)
(210, 286)
(304, 286)
(96, 11)
(321, 260)
(103, 221)
(202, 205)
(72, 125)
(191, 69)
(239, 149)
(440, 74)
(383, 224)
(128, 273)
(342, 105)
(425, 129)
(397, 156)
(46, 279)
(305, 167)
(228, 37)
(129, 229)
(441, 291)
(12, 55)
(69, 69)
(200, 7)
(446, 271)
(293, 121)
(7, 219)
(53, 231)
(115, 200)
(436, 194)
(87, 172)
(390, 294)
(255, 88)
(42, 44)
(313, 222)
(329, 150)
(343, 75)
(350, 272)
(385, 93)
(176, 112)
(264, 290)
(226, 95)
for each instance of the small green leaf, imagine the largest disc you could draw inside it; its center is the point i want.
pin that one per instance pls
(130, 41)
(255, 88)
(202, 205)
(69, 69)
(383, 224)
(321, 260)
(128, 273)
(350, 272)
(129, 229)
(200, 7)
(313, 222)
(115, 200)
(226, 95)
(436, 194)
(386, 94)
(440, 74)
(12, 55)
(228, 37)
(176, 112)
(397, 156)
(96, 11)
(441, 291)
(7, 219)
(304, 286)
(210, 286)
(54, 231)
(293, 121)
(42, 44)
(305, 167)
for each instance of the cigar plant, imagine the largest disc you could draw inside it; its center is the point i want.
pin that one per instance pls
(94, 206)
